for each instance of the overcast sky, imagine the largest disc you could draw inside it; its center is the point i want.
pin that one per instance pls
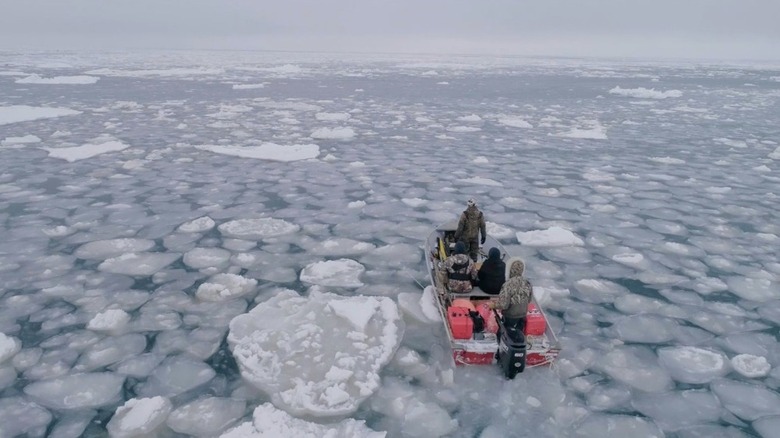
(718, 29)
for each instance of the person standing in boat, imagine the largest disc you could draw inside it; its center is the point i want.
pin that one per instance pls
(470, 225)
(461, 270)
(492, 273)
(514, 297)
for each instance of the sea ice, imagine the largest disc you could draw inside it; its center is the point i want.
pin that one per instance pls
(89, 150)
(645, 329)
(551, 237)
(693, 364)
(176, 375)
(340, 133)
(428, 304)
(112, 320)
(267, 422)
(199, 225)
(58, 80)
(109, 351)
(750, 366)
(338, 273)
(676, 410)
(514, 122)
(24, 113)
(77, 391)
(754, 289)
(20, 417)
(222, 287)
(635, 368)
(72, 425)
(319, 355)
(141, 264)
(768, 427)
(267, 151)
(15, 141)
(8, 347)
(257, 229)
(617, 426)
(200, 258)
(103, 249)
(139, 417)
(746, 400)
(644, 93)
(206, 416)
(340, 247)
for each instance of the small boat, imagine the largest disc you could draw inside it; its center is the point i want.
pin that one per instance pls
(475, 333)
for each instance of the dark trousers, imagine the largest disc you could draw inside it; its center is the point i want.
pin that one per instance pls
(513, 326)
(472, 248)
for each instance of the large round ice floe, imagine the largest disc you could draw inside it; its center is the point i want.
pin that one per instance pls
(746, 400)
(139, 417)
(103, 249)
(8, 347)
(338, 273)
(675, 410)
(198, 225)
(617, 426)
(754, 289)
(142, 264)
(553, 236)
(199, 258)
(751, 366)
(319, 355)
(636, 368)
(77, 391)
(20, 417)
(645, 328)
(693, 364)
(206, 417)
(223, 287)
(341, 246)
(257, 229)
(267, 421)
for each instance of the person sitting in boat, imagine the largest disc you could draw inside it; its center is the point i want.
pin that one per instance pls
(492, 273)
(470, 225)
(514, 297)
(461, 270)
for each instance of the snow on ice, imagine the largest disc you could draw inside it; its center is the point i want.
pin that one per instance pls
(551, 237)
(644, 93)
(257, 229)
(339, 273)
(318, 355)
(71, 154)
(25, 113)
(267, 421)
(58, 80)
(267, 151)
(139, 417)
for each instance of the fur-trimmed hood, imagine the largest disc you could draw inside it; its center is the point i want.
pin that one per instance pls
(515, 266)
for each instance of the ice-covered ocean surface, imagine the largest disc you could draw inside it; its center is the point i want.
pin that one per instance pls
(148, 199)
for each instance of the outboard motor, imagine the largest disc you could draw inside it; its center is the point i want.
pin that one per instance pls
(511, 351)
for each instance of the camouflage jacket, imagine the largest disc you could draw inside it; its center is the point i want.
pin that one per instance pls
(471, 223)
(459, 280)
(514, 297)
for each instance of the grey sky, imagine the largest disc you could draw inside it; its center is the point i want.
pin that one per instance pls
(729, 29)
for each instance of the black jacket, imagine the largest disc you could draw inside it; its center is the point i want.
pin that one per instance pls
(491, 276)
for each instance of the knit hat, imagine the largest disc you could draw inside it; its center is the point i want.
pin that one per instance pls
(494, 254)
(460, 248)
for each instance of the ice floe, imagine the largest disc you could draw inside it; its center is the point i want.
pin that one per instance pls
(340, 133)
(318, 355)
(199, 225)
(139, 417)
(24, 140)
(58, 80)
(751, 366)
(339, 273)
(104, 249)
(551, 237)
(25, 113)
(112, 320)
(746, 400)
(645, 93)
(693, 364)
(257, 229)
(89, 150)
(77, 391)
(267, 422)
(141, 264)
(206, 416)
(267, 151)
(9, 346)
(20, 417)
(222, 287)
